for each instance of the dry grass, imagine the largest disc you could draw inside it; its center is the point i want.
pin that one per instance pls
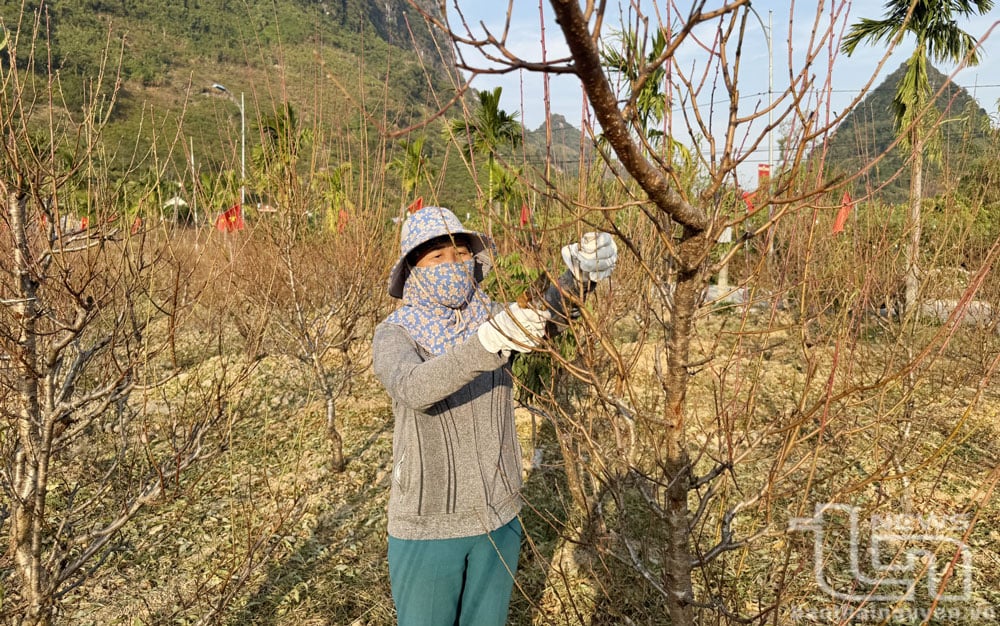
(269, 535)
(320, 537)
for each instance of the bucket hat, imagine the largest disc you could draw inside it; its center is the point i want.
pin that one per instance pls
(431, 222)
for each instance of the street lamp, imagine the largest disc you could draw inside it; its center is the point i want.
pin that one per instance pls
(770, 111)
(243, 139)
(770, 91)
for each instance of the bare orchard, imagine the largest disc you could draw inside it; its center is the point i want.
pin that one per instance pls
(792, 423)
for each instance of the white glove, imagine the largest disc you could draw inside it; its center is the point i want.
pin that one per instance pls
(515, 329)
(593, 258)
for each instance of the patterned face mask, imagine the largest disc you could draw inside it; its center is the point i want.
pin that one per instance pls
(447, 284)
(442, 305)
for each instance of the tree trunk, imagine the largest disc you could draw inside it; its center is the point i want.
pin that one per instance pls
(337, 462)
(912, 279)
(655, 181)
(574, 476)
(723, 280)
(30, 475)
(910, 302)
(489, 196)
(676, 465)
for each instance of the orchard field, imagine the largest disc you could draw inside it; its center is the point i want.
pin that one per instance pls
(794, 424)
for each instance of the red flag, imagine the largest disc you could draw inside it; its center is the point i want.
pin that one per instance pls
(416, 205)
(525, 214)
(136, 224)
(84, 222)
(748, 197)
(845, 210)
(230, 220)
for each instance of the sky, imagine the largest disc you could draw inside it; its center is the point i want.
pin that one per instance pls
(776, 27)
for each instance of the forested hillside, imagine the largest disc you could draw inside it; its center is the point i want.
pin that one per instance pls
(869, 131)
(346, 60)
(160, 37)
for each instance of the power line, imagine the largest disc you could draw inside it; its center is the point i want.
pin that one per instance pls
(761, 94)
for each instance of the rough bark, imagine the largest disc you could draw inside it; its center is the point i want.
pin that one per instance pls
(655, 183)
(337, 462)
(676, 468)
(912, 280)
(33, 434)
(587, 62)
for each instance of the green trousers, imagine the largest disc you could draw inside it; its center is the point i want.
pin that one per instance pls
(455, 582)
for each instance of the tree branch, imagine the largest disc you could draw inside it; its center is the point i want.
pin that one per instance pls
(590, 70)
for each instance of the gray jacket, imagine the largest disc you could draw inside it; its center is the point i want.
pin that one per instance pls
(456, 457)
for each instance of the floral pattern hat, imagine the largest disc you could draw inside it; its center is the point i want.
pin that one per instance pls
(429, 222)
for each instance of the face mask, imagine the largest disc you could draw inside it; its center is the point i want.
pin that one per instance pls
(447, 284)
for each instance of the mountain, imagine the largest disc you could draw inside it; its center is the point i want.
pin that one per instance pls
(328, 59)
(347, 68)
(869, 129)
(566, 148)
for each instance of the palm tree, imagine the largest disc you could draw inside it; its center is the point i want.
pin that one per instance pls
(282, 142)
(489, 129)
(334, 185)
(507, 189)
(413, 166)
(629, 59)
(933, 23)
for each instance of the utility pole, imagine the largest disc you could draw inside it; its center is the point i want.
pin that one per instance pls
(770, 119)
(194, 185)
(243, 138)
(243, 152)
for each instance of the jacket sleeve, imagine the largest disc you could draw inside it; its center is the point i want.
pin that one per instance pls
(418, 384)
